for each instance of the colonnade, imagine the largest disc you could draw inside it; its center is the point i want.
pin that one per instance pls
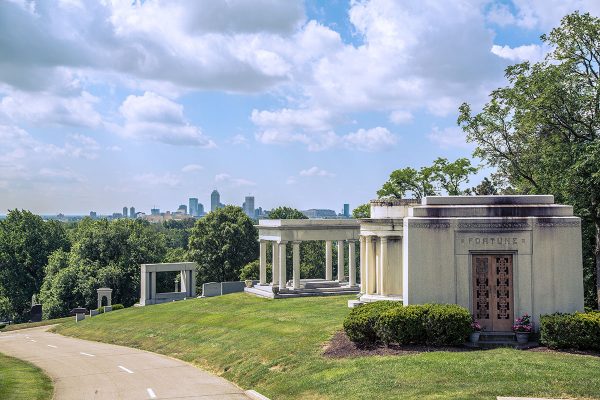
(279, 267)
(375, 266)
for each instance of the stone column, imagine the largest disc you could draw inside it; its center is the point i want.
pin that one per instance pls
(263, 262)
(383, 266)
(296, 264)
(351, 263)
(371, 270)
(282, 265)
(328, 260)
(340, 260)
(363, 266)
(153, 287)
(183, 285)
(275, 264)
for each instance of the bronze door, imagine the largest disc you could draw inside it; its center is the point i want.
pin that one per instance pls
(493, 291)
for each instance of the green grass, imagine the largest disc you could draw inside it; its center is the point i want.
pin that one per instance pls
(26, 325)
(275, 346)
(20, 380)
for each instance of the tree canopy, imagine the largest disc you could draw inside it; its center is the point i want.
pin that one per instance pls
(429, 180)
(222, 243)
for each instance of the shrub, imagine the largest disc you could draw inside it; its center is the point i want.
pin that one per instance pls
(117, 307)
(578, 331)
(359, 325)
(100, 310)
(447, 324)
(402, 325)
(2, 326)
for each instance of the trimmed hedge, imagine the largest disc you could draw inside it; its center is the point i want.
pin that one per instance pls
(571, 331)
(434, 324)
(116, 307)
(360, 323)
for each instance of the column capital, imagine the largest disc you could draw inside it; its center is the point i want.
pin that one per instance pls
(282, 241)
(383, 239)
(263, 241)
(296, 241)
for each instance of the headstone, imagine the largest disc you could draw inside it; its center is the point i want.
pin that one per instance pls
(107, 308)
(232, 287)
(211, 289)
(93, 313)
(35, 315)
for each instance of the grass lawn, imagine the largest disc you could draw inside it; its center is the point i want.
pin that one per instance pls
(275, 346)
(20, 380)
(26, 325)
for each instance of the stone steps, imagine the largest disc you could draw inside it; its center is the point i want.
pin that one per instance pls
(494, 340)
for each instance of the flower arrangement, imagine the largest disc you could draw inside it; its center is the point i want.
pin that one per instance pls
(475, 326)
(523, 324)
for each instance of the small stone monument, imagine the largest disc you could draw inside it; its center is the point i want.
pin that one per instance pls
(105, 292)
(35, 315)
(79, 313)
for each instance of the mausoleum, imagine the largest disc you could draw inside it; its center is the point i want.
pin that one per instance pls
(498, 256)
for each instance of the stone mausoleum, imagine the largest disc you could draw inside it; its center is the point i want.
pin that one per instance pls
(498, 256)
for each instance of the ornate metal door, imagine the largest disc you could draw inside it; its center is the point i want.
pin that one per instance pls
(493, 291)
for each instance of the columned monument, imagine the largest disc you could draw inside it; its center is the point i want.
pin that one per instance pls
(148, 282)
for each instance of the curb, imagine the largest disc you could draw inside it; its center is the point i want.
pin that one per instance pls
(253, 394)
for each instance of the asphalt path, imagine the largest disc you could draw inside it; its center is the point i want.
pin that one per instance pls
(81, 369)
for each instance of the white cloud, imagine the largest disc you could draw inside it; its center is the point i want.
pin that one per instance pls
(238, 140)
(531, 52)
(449, 137)
(192, 168)
(235, 182)
(61, 175)
(400, 116)
(114, 148)
(156, 118)
(152, 179)
(316, 171)
(48, 109)
(375, 139)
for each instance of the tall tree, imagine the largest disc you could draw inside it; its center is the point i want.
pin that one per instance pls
(362, 211)
(26, 242)
(222, 243)
(430, 180)
(542, 131)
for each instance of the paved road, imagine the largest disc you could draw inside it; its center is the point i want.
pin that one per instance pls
(89, 370)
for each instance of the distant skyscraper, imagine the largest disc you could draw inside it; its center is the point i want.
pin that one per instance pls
(200, 209)
(124, 212)
(193, 203)
(215, 200)
(248, 206)
(182, 209)
(132, 212)
(347, 210)
(155, 211)
(92, 214)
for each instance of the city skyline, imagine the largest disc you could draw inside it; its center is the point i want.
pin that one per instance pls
(298, 107)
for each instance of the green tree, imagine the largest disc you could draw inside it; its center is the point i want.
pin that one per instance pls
(104, 253)
(222, 243)
(542, 131)
(430, 180)
(26, 242)
(451, 175)
(284, 212)
(362, 211)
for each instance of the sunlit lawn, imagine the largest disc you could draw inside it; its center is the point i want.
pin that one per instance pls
(20, 380)
(275, 346)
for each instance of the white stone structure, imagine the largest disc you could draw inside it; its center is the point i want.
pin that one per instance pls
(104, 292)
(148, 282)
(498, 256)
(280, 233)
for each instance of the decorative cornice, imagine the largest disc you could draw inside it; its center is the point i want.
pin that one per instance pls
(395, 202)
(557, 223)
(429, 225)
(494, 225)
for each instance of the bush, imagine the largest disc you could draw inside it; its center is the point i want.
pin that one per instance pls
(359, 325)
(116, 307)
(576, 331)
(389, 322)
(447, 324)
(402, 325)
(2, 326)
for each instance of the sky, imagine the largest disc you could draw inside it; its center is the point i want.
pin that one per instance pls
(309, 104)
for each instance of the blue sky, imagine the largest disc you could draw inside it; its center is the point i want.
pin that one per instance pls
(309, 104)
